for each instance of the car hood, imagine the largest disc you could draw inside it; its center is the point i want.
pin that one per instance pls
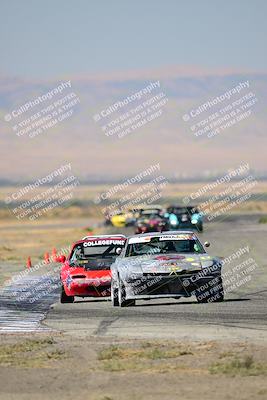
(80, 271)
(168, 263)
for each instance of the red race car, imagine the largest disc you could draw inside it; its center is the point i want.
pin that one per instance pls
(86, 272)
(151, 220)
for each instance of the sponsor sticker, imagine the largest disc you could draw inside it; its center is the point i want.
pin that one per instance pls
(205, 257)
(177, 237)
(142, 239)
(103, 242)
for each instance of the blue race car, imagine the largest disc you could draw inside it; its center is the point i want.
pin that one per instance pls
(181, 217)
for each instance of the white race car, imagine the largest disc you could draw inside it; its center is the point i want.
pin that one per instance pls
(162, 265)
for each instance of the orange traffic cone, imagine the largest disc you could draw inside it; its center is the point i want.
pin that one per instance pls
(29, 263)
(46, 258)
(54, 254)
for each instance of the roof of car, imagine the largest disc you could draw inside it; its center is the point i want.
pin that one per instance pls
(155, 234)
(181, 206)
(118, 235)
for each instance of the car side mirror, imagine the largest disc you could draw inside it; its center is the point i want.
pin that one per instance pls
(207, 244)
(61, 259)
(118, 251)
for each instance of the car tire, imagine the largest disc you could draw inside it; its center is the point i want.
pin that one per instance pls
(114, 296)
(64, 298)
(200, 227)
(213, 296)
(121, 297)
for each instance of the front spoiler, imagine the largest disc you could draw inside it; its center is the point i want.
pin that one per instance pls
(93, 282)
(88, 287)
(166, 286)
(91, 291)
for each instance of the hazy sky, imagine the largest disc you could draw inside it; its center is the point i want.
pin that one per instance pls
(53, 38)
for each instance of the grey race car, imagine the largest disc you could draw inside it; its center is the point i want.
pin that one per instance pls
(162, 265)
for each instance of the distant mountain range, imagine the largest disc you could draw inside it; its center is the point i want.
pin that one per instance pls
(168, 139)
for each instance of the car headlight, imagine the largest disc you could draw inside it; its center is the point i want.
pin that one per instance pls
(211, 264)
(207, 264)
(194, 221)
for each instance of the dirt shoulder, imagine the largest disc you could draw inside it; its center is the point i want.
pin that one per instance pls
(44, 366)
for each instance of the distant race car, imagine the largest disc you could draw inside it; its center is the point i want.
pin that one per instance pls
(151, 220)
(86, 272)
(128, 217)
(122, 219)
(181, 217)
(162, 265)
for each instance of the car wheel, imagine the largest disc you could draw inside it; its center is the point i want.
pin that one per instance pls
(200, 227)
(64, 298)
(114, 296)
(122, 297)
(214, 294)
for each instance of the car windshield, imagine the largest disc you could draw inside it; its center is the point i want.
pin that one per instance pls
(159, 245)
(184, 210)
(102, 254)
(149, 216)
(149, 212)
(181, 211)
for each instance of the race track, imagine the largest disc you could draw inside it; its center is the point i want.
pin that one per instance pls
(241, 317)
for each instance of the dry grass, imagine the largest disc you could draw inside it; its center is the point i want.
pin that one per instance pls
(30, 353)
(89, 192)
(245, 366)
(40, 239)
(83, 205)
(20, 240)
(168, 357)
(145, 357)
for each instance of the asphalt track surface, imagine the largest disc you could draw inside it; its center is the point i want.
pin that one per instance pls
(242, 316)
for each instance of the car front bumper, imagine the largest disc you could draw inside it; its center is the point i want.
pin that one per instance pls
(88, 287)
(156, 286)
